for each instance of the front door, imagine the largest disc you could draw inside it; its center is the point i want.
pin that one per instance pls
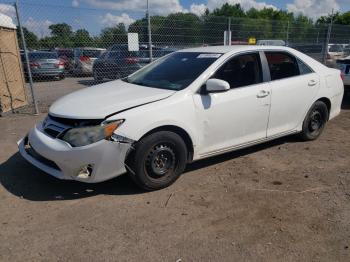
(238, 116)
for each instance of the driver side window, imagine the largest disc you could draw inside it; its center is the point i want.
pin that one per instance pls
(242, 70)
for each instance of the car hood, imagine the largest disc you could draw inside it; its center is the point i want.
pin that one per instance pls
(97, 102)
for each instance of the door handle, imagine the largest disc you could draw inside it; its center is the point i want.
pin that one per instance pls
(312, 82)
(262, 94)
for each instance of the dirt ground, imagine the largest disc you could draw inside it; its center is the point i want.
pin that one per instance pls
(282, 201)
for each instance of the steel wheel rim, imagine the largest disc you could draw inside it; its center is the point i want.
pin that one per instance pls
(316, 122)
(160, 161)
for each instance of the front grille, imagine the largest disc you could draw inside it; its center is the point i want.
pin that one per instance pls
(75, 122)
(31, 151)
(51, 132)
(56, 126)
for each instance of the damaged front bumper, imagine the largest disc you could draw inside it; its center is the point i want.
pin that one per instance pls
(103, 160)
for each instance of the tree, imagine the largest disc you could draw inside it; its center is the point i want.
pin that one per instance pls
(31, 39)
(338, 18)
(82, 38)
(229, 10)
(62, 35)
(61, 30)
(113, 35)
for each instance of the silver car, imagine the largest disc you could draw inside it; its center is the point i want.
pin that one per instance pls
(84, 59)
(44, 65)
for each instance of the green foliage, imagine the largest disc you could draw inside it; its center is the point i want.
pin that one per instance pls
(31, 39)
(113, 35)
(82, 38)
(341, 19)
(188, 29)
(229, 10)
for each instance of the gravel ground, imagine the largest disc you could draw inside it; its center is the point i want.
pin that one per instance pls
(282, 201)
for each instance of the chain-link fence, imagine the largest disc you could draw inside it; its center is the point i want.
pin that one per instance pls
(66, 41)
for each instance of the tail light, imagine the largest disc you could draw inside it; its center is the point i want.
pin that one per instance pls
(34, 65)
(85, 59)
(342, 76)
(131, 60)
(60, 64)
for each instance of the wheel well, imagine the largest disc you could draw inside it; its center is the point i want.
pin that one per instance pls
(181, 132)
(327, 102)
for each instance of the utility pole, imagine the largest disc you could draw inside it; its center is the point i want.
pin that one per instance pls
(328, 37)
(149, 33)
(27, 59)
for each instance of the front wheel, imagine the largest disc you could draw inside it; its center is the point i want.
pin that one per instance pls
(315, 121)
(159, 160)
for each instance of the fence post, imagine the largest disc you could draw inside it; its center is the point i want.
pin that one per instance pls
(325, 52)
(149, 33)
(27, 59)
(328, 38)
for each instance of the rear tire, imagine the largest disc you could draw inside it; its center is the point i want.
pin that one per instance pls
(315, 121)
(158, 160)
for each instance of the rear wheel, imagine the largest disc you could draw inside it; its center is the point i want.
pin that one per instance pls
(159, 160)
(315, 121)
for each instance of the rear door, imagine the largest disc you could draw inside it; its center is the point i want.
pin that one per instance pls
(293, 87)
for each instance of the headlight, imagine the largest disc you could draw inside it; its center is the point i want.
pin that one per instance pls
(83, 136)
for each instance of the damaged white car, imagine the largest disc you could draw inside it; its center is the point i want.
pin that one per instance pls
(186, 106)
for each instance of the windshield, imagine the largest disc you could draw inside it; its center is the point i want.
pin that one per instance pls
(38, 56)
(175, 72)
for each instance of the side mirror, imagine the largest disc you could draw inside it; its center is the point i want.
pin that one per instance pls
(217, 85)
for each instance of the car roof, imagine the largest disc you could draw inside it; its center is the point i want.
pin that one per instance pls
(233, 48)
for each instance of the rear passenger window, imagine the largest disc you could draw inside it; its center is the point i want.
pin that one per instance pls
(282, 65)
(242, 70)
(303, 68)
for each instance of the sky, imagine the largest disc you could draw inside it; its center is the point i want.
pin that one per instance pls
(38, 15)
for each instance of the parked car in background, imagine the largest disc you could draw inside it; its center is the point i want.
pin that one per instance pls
(157, 52)
(84, 59)
(118, 62)
(190, 105)
(335, 52)
(316, 51)
(115, 64)
(67, 56)
(44, 65)
(344, 66)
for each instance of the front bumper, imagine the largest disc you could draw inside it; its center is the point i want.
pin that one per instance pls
(62, 161)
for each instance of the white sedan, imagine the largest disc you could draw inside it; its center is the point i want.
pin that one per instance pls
(186, 106)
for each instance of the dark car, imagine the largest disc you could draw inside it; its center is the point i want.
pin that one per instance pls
(118, 62)
(67, 56)
(115, 64)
